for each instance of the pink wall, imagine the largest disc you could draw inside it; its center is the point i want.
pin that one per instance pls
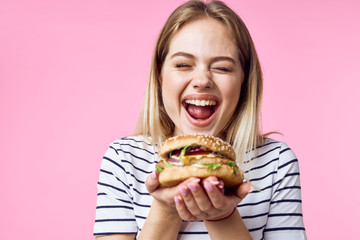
(72, 77)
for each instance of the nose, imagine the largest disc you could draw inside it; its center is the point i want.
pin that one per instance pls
(202, 79)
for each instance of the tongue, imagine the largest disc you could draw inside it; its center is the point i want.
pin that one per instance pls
(200, 112)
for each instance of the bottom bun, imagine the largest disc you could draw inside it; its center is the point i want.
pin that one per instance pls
(174, 175)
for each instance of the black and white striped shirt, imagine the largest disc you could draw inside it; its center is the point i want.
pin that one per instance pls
(272, 211)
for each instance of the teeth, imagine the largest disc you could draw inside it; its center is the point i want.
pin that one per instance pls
(201, 102)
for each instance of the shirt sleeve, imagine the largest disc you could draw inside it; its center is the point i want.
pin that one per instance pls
(285, 219)
(114, 208)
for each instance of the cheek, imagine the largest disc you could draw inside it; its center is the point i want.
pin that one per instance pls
(172, 86)
(231, 95)
(171, 91)
(231, 90)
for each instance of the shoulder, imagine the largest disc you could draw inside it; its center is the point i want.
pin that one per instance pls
(133, 144)
(273, 148)
(282, 158)
(131, 150)
(270, 157)
(134, 140)
(133, 157)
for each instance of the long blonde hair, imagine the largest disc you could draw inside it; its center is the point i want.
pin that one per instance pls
(243, 130)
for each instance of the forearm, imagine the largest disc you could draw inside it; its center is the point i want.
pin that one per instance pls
(232, 227)
(161, 223)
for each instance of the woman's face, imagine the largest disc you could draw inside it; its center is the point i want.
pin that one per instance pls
(201, 78)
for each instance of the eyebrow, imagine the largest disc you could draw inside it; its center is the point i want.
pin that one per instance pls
(215, 59)
(224, 58)
(183, 54)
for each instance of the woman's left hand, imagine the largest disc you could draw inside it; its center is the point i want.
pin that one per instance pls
(206, 200)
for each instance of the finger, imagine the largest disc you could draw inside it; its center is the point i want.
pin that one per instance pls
(243, 190)
(215, 195)
(182, 210)
(200, 196)
(152, 182)
(216, 182)
(221, 186)
(189, 201)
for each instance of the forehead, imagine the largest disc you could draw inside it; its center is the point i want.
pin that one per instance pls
(204, 36)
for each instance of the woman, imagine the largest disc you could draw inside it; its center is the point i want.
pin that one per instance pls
(205, 78)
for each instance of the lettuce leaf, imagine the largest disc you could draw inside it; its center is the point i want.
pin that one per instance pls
(233, 165)
(182, 154)
(167, 164)
(159, 169)
(211, 167)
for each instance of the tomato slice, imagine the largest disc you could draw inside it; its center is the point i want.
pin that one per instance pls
(198, 153)
(195, 150)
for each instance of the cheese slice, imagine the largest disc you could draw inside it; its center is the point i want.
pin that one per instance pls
(187, 158)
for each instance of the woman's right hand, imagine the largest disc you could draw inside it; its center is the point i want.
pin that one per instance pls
(164, 195)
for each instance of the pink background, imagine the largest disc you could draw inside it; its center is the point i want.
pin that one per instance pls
(72, 78)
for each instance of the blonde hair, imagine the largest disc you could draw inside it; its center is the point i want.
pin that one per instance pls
(243, 129)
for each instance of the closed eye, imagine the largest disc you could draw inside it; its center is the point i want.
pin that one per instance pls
(182, 65)
(222, 69)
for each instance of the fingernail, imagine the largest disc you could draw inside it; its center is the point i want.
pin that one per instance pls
(192, 187)
(220, 186)
(208, 186)
(183, 191)
(153, 175)
(196, 181)
(177, 200)
(214, 182)
(251, 189)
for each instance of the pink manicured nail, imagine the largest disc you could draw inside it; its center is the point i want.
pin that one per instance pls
(208, 186)
(196, 181)
(153, 175)
(251, 189)
(192, 187)
(214, 182)
(183, 191)
(177, 200)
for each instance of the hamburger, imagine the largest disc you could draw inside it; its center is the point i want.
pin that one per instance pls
(197, 155)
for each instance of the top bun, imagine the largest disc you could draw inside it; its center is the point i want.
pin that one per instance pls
(213, 143)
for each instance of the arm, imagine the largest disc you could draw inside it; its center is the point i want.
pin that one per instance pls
(232, 227)
(162, 223)
(285, 214)
(115, 218)
(117, 237)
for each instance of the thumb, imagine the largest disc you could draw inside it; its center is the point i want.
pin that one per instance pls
(243, 190)
(152, 182)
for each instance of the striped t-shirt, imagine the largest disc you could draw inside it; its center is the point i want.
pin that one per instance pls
(272, 211)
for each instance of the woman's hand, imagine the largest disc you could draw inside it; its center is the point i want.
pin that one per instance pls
(206, 200)
(194, 199)
(164, 195)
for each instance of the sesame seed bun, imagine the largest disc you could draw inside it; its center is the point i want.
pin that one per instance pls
(214, 143)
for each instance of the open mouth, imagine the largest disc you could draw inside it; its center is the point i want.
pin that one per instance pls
(200, 109)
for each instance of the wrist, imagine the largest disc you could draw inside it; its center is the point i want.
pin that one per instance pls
(231, 225)
(164, 210)
(162, 223)
(224, 217)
